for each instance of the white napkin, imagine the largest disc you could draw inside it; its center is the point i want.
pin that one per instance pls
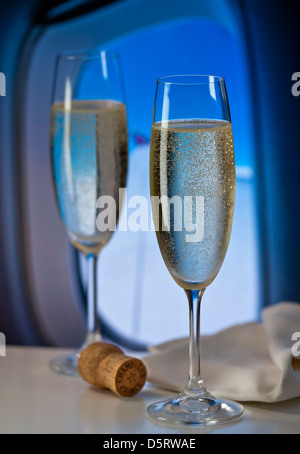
(256, 361)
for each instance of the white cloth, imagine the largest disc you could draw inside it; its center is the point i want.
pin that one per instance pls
(256, 361)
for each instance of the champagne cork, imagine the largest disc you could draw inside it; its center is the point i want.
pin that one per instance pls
(105, 366)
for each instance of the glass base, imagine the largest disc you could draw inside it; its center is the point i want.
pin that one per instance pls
(66, 365)
(201, 410)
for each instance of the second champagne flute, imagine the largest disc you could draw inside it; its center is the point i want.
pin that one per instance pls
(89, 161)
(192, 168)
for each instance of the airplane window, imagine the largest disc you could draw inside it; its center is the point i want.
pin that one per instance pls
(137, 295)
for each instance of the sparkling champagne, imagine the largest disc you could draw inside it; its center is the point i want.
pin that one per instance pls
(89, 154)
(193, 160)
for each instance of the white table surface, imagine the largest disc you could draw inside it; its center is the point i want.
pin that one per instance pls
(35, 400)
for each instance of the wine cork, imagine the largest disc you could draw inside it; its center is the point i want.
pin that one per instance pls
(105, 366)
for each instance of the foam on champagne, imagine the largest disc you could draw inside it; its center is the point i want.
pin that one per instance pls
(195, 158)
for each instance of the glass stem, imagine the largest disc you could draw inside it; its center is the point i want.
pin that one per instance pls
(93, 324)
(195, 382)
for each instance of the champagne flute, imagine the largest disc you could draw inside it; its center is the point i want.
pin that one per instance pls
(89, 160)
(192, 183)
